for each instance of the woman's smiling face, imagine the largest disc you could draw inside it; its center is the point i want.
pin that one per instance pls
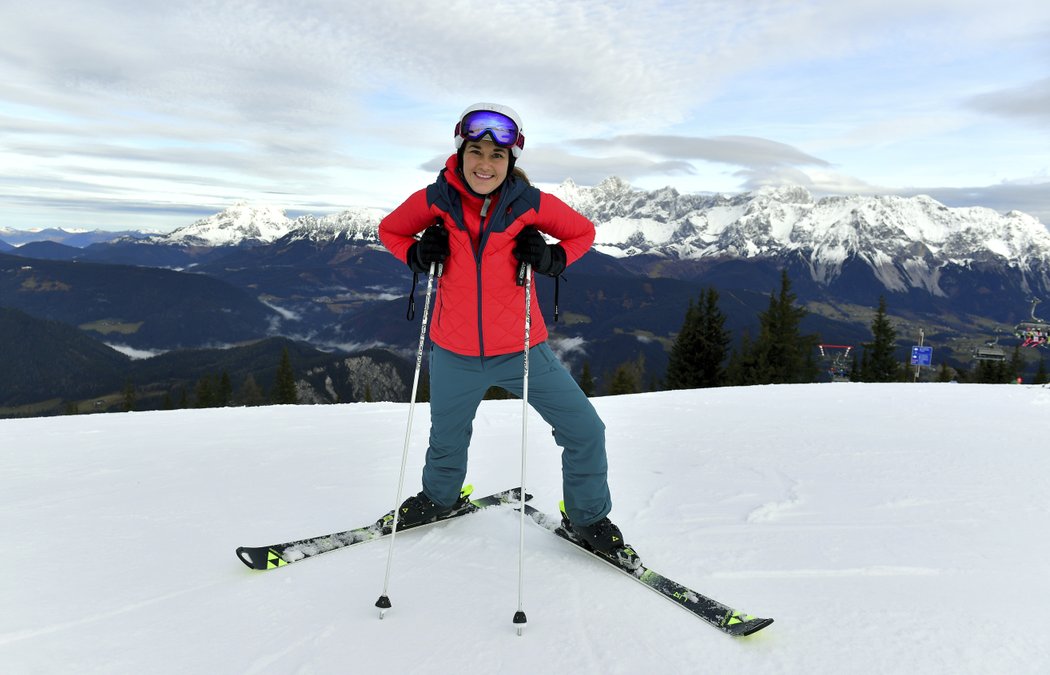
(485, 165)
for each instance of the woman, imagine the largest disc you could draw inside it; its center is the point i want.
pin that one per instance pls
(481, 219)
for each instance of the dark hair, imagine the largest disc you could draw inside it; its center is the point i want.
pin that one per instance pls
(518, 174)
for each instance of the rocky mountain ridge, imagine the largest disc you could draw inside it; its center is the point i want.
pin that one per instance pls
(906, 241)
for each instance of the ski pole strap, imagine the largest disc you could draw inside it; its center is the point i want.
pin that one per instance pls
(522, 275)
(411, 314)
(557, 287)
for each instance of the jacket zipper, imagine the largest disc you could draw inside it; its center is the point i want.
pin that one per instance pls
(477, 259)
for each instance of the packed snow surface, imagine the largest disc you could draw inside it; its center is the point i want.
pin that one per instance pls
(887, 528)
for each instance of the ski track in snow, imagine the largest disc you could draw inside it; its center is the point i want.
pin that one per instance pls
(16, 636)
(872, 571)
(771, 511)
(267, 663)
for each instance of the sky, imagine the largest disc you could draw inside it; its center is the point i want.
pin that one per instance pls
(149, 115)
(886, 528)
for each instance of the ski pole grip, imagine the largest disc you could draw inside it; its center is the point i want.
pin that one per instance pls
(523, 273)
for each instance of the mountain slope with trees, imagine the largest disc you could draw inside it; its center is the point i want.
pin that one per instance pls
(137, 306)
(42, 359)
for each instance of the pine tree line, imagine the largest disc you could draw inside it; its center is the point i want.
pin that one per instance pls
(216, 391)
(781, 354)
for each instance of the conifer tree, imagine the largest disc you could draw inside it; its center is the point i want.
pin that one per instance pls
(224, 395)
(250, 394)
(205, 392)
(129, 396)
(780, 354)
(587, 379)
(992, 372)
(284, 391)
(627, 378)
(1016, 367)
(1041, 374)
(746, 365)
(624, 380)
(699, 352)
(879, 363)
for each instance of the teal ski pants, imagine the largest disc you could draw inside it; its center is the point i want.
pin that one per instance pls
(457, 385)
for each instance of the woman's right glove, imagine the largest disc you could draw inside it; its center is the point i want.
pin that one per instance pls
(432, 247)
(530, 247)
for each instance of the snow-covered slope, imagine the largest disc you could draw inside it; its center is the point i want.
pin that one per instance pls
(887, 528)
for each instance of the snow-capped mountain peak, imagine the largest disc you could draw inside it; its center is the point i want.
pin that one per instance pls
(240, 224)
(356, 224)
(245, 224)
(905, 240)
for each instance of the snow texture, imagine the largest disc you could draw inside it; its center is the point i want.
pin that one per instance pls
(887, 528)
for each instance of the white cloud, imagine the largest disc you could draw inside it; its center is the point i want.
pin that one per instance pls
(134, 353)
(131, 114)
(1028, 102)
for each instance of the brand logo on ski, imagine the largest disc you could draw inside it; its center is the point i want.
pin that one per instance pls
(274, 559)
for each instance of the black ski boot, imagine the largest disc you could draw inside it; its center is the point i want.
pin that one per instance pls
(419, 509)
(604, 538)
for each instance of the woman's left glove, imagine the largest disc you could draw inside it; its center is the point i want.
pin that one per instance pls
(530, 247)
(431, 248)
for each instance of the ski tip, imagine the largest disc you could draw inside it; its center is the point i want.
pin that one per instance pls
(260, 558)
(245, 556)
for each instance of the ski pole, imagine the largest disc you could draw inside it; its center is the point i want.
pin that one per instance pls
(383, 603)
(519, 616)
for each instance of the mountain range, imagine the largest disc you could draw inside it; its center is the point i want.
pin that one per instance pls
(251, 271)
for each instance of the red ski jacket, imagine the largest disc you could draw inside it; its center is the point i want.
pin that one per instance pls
(479, 310)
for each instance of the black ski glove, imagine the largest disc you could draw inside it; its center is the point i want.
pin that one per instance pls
(431, 248)
(545, 258)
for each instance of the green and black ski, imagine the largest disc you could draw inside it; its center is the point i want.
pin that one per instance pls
(279, 555)
(722, 617)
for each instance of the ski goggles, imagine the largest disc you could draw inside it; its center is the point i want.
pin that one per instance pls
(503, 131)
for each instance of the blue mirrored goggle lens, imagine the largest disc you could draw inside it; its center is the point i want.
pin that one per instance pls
(477, 124)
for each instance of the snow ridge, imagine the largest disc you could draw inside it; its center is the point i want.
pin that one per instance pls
(906, 241)
(245, 224)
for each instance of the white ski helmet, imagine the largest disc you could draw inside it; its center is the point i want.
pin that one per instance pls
(499, 122)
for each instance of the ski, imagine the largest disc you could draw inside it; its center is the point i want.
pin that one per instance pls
(278, 555)
(724, 618)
